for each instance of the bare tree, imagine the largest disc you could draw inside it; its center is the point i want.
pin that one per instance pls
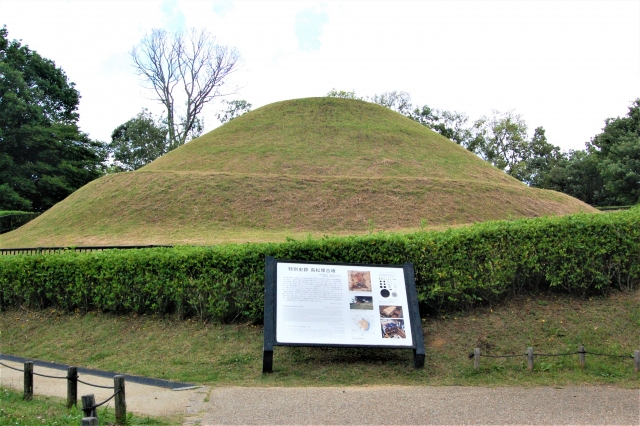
(191, 64)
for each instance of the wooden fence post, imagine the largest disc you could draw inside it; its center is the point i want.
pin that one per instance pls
(121, 403)
(476, 358)
(72, 386)
(581, 355)
(530, 359)
(28, 380)
(90, 421)
(636, 361)
(89, 401)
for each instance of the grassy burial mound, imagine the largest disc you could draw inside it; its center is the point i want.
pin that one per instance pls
(307, 166)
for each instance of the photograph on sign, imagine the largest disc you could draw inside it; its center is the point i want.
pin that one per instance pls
(342, 305)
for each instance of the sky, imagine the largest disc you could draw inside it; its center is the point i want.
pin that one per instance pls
(562, 65)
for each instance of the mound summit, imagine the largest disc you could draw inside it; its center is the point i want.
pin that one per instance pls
(319, 166)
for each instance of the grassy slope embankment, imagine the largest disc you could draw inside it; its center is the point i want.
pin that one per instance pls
(231, 355)
(308, 166)
(236, 209)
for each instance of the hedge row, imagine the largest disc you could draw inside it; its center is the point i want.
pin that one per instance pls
(579, 254)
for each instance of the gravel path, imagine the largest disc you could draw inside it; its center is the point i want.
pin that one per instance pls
(452, 405)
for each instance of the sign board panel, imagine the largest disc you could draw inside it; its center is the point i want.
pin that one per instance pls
(332, 304)
(342, 304)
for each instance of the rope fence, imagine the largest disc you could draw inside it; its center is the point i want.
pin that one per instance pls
(89, 406)
(530, 354)
(95, 386)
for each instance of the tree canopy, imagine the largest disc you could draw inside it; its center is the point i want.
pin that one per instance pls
(44, 156)
(139, 141)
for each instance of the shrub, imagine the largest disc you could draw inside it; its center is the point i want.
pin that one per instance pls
(458, 268)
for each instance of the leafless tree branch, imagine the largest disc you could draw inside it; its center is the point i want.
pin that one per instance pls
(191, 61)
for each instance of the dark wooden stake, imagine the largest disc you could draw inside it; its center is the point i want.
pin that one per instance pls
(530, 359)
(89, 401)
(581, 355)
(121, 404)
(90, 421)
(72, 387)
(476, 358)
(28, 380)
(636, 361)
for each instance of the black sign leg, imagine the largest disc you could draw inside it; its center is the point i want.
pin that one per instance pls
(269, 314)
(267, 362)
(418, 358)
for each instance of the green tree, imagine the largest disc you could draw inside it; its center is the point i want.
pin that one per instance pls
(234, 109)
(395, 100)
(576, 173)
(541, 158)
(501, 139)
(450, 124)
(44, 156)
(139, 141)
(333, 93)
(617, 149)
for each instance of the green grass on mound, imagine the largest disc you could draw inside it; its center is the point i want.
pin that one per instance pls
(319, 166)
(158, 208)
(231, 355)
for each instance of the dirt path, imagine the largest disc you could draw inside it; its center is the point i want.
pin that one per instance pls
(452, 405)
(585, 405)
(144, 399)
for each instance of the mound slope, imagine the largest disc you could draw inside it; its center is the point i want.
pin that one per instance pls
(318, 165)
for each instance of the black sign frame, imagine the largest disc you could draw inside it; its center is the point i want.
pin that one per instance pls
(270, 313)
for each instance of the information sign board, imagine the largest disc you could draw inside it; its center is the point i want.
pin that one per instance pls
(333, 304)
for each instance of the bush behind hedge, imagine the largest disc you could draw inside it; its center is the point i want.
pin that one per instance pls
(455, 269)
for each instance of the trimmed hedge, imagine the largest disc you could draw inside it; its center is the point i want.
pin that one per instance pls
(458, 268)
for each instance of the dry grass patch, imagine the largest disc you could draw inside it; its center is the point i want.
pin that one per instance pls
(231, 355)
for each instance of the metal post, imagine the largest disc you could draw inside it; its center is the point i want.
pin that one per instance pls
(72, 387)
(581, 355)
(530, 359)
(90, 421)
(476, 358)
(89, 401)
(28, 380)
(636, 361)
(121, 404)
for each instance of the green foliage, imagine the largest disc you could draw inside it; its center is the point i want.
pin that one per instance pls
(234, 109)
(617, 149)
(44, 156)
(458, 268)
(333, 93)
(139, 141)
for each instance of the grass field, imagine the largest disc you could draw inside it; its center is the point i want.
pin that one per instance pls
(317, 166)
(46, 410)
(231, 355)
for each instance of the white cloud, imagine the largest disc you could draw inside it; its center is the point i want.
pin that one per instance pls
(308, 28)
(564, 65)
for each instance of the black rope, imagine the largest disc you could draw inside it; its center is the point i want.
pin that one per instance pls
(50, 377)
(570, 353)
(13, 368)
(502, 356)
(472, 355)
(612, 356)
(93, 407)
(95, 386)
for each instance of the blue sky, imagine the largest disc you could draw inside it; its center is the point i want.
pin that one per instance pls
(563, 65)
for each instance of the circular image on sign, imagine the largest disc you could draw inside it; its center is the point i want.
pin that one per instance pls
(384, 292)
